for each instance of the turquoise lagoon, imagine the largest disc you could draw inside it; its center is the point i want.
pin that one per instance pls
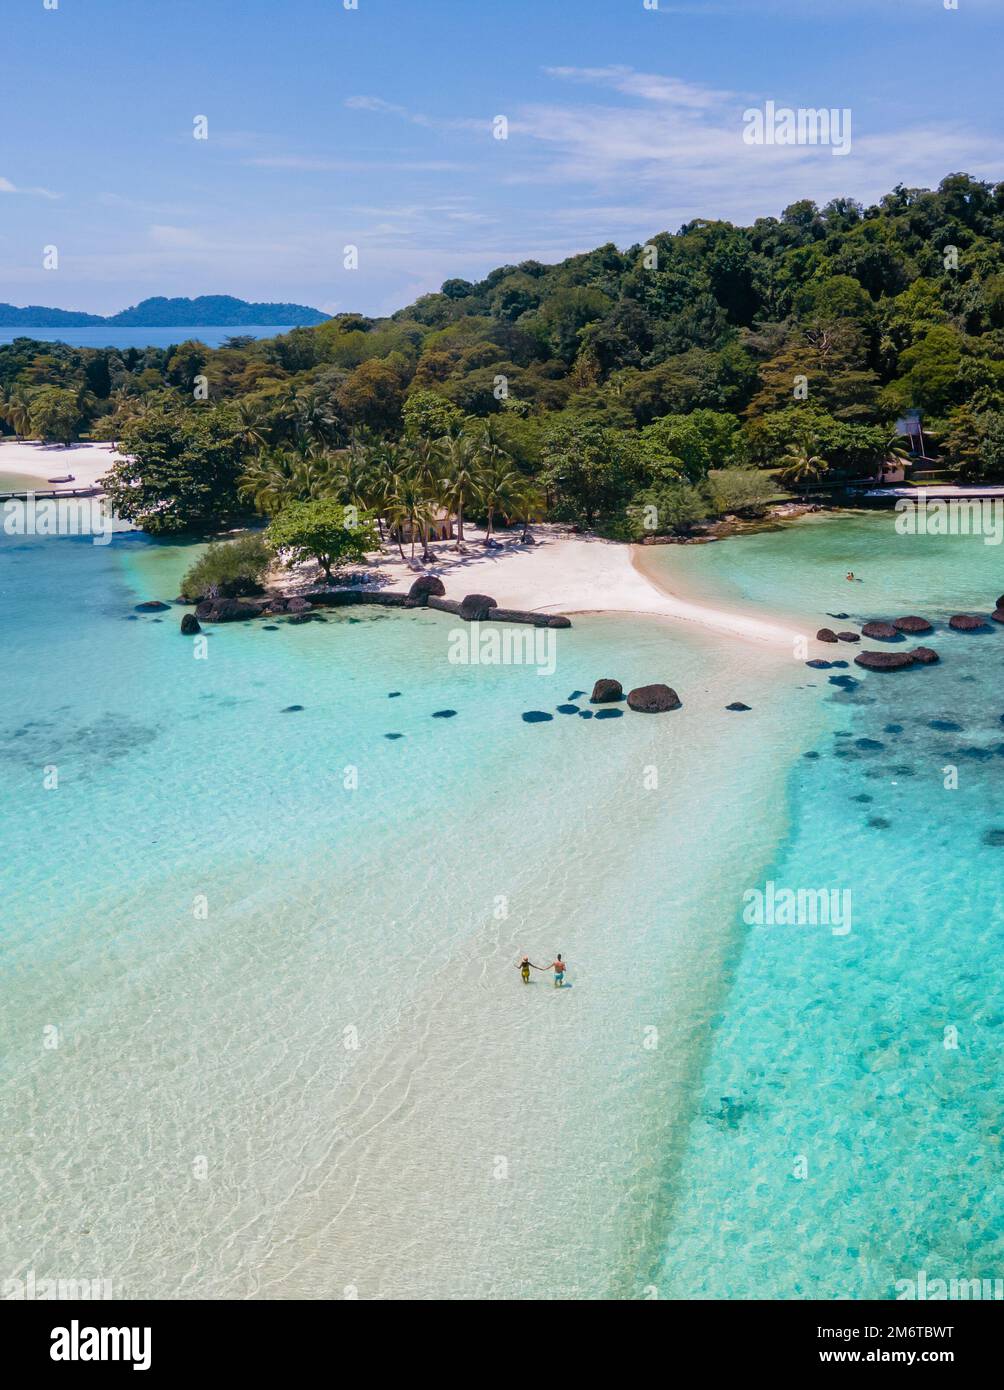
(275, 948)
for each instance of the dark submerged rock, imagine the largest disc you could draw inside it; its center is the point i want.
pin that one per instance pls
(884, 661)
(885, 632)
(653, 699)
(152, 605)
(609, 714)
(291, 709)
(443, 713)
(818, 664)
(738, 705)
(536, 716)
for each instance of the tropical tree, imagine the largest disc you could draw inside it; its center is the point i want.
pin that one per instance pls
(461, 474)
(802, 468)
(407, 504)
(320, 530)
(55, 415)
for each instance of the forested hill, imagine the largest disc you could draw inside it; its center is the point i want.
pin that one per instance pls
(208, 310)
(798, 342)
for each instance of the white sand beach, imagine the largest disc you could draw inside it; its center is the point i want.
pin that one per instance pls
(564, 573)
(29, 459)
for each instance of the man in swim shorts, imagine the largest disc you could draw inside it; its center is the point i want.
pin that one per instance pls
(558, 966)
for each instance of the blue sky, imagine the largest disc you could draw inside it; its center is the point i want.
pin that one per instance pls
(372, 126)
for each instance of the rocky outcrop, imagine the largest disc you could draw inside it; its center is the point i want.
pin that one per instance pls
(883, 631)
(189, 625)
(424, 587)
(605, 691)
(653, 699)
(476, 607)
(298, 605)
(884, 661)
(826, 634)
(966, 622)
(911, 625)
(229, 610)
(925, 656)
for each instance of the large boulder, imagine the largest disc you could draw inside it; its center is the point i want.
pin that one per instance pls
(606, 691)
(298, 605)
(998, 615)
(189, 625)
(559, 620)
(848, 637)
(230, 610)
(925, 656)
(653, 699)
(884, 661)
(884, 631)
(826, 634)
(476, 607)
(966, 622)
(424, 586)
(911, 625)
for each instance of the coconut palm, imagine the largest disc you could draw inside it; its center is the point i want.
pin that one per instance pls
(460, 477)
(407, 503)
(802, 468)
(252, 436)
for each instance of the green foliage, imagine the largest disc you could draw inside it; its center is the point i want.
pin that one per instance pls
(323, 531)
(182, 469)
(666, 507)
(55, 415)
(746, 490)
(231, 568)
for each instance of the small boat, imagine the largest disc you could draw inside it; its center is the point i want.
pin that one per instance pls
(69, 478)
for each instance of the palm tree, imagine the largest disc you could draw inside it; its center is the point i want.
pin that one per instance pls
(423, 468)
(17, 411)
(253, 433)
(460, 480)
(527, 500)
(802, 468)
(407, 503)
(315, 419)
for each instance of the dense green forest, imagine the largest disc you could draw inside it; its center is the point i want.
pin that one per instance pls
(660, 380)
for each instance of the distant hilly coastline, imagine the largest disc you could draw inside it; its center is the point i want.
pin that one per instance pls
(208, 310)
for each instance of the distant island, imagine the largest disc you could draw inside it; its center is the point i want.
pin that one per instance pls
(208, 310)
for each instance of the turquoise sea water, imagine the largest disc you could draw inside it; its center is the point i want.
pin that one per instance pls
(262, 1034)
(848, 1129)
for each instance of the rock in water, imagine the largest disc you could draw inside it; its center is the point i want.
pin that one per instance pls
(424, 585)
(826, 634)
(818, 664)
(605, 691)
(848, 637)
(966, 622)
(738, 705)
(884, 661)
(885, 631)
(998, 615)
(298, 605)
(153, 605)
(189, 625)
(653, 699)
(925, 656)
(476, 607)
(911, 625)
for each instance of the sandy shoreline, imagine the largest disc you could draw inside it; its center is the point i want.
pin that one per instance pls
(30, 459)
(562, 573)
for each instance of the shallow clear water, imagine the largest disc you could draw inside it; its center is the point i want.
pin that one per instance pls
(848, 1131)
(294, 1057)
(332, 1078)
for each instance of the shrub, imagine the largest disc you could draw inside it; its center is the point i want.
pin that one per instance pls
(231, 568)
